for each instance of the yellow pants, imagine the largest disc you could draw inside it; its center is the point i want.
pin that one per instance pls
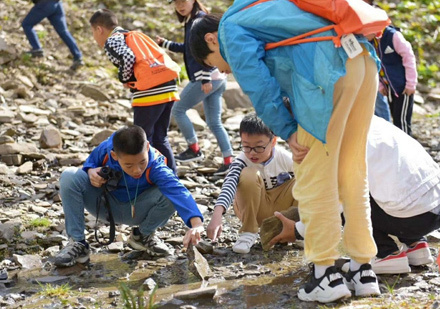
(337, 172)
(253, 203)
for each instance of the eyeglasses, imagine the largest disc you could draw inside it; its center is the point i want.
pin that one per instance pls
(257, 149)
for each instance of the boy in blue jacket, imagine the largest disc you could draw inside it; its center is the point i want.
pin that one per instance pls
(331, 93)
(147, 195)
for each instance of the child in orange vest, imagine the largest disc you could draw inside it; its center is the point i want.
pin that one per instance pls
(151, 107)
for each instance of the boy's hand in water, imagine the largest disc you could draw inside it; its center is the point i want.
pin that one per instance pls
(287, 233)
(299, 152)
(193, 235)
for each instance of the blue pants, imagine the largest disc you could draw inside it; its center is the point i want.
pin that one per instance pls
(212, 105)
(382, 108)
(152, 208)
(53, 10)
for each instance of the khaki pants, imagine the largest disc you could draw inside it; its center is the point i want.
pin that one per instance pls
(253, 203)
(324, 179)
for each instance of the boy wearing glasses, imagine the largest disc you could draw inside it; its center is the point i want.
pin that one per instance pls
(261, 180)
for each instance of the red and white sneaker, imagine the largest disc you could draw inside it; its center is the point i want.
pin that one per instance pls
(391, 264)
(418, 254)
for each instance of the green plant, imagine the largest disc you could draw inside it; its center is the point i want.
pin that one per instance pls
(49, 290)
(136, 301)
(42, 34)
(39, 222)
(390, 288)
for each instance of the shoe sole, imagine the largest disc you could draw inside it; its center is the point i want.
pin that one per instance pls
(220, 174)
(136, 246)
(391, 270)
(190, 160)
(368, 289)
(342, 292)
(241, 251)
(422, 259)
(82, 260)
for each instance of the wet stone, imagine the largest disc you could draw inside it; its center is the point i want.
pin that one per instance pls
(51, 280)
(197, 264)
(205, 247)
(149, 284)
(207, 292)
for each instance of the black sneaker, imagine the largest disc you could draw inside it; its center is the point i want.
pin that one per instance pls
(189, 155)
(152, 244)
(363, 281)
(74, 252)
(328, 288)
(76, 64)
(36, 53)
(223, 170)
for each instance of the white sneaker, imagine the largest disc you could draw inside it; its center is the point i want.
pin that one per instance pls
(328, 288)
(391, 264)
(244, 242)
(363, 281)
(418, 254)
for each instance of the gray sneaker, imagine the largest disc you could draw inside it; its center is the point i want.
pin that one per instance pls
(152, 244)
(74, 252)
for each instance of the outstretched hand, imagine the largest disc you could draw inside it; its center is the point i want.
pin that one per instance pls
(159, 40)
(287, 233)
(193, 235)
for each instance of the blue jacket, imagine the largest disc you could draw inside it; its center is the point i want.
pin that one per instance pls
(392, 62)
(157, 173)
(305, 73)
(195, 71)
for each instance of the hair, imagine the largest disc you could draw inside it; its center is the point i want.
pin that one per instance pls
(198, 6)
(104, 18)
(253, 125)
(130, 140)
(201, 26)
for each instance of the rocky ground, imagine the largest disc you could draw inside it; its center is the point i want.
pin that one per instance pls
(51, 118)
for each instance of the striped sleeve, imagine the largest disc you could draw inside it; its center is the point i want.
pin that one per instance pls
(203, 76)
(229, 187)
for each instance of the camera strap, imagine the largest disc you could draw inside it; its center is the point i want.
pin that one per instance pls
(104, 199)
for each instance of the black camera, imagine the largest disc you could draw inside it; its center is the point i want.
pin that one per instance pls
(111, 176)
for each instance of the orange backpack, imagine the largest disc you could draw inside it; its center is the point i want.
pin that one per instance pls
(153, 66)
(348, 16)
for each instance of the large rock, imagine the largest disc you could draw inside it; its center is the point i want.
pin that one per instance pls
(51, 138)
(6, 116)
(101, 136)
(28, 261)
(25, 81)
(197, 264)
(272, 226)
(235, 97)
(15, 148)
(25, 168)
(7, 230)
(7, 51)
(94, 93)
(197, 121)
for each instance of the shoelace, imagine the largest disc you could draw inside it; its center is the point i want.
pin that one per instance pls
(73, 249)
